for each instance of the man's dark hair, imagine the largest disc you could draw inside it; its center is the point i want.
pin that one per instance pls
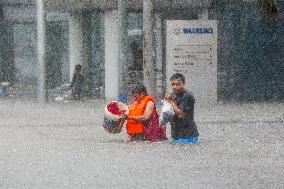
(139, 88)
(176, 76)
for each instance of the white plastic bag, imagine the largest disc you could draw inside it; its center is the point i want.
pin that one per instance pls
(167, 113)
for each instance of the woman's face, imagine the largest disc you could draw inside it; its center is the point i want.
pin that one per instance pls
(138, 96)
(77, 70)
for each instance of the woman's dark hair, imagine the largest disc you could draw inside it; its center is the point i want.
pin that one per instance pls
(78, 67)
(139, 88)
(176, 76)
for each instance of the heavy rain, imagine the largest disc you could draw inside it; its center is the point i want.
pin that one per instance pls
(63, 62)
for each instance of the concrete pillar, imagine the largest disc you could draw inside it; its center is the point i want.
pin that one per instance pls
(122, 49)
(159, 55)
(75, 40)
(148, 50)
(41, 52)
(158, 40)
(111, 55)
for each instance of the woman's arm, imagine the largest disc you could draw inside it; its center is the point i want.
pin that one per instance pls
(147, 113)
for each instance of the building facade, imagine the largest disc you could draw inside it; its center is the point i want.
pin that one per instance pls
(250, 63)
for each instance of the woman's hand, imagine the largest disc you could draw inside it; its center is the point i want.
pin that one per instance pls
(147, 113)
(124, 116)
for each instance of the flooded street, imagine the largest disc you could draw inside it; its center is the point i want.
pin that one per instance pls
(65, 146)
(61, 59)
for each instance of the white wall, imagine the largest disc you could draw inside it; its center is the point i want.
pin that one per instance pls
(75, 41)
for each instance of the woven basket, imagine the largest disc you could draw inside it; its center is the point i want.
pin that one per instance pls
(113, 123)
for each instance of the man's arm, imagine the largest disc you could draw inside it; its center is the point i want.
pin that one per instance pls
(178, 111)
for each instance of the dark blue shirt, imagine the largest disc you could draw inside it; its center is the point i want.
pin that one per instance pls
(184, 127)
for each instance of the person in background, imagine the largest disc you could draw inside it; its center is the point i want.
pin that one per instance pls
(136, 61)
(183, 127)
(143, 120)
(77, 83)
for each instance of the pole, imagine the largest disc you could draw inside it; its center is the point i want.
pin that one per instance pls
(41, 43)
(148, 51)
(122, 50)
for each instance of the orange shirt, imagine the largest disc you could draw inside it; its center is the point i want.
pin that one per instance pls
(137, 109)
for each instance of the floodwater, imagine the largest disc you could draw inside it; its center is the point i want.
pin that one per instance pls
(65, 146)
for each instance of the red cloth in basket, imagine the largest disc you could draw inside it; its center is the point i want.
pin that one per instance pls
(114, 109)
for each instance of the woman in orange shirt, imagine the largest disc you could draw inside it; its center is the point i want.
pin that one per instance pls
(142, 120)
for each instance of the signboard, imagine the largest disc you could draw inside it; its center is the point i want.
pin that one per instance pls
(191, 48)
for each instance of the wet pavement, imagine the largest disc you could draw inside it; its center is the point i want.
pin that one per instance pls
(65, 146)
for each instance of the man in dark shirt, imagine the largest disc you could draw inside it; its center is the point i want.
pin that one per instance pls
(183, 127)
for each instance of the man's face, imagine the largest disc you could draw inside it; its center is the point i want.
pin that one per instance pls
(177, 85)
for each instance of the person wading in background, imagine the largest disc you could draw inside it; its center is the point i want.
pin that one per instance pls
(77, 83)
